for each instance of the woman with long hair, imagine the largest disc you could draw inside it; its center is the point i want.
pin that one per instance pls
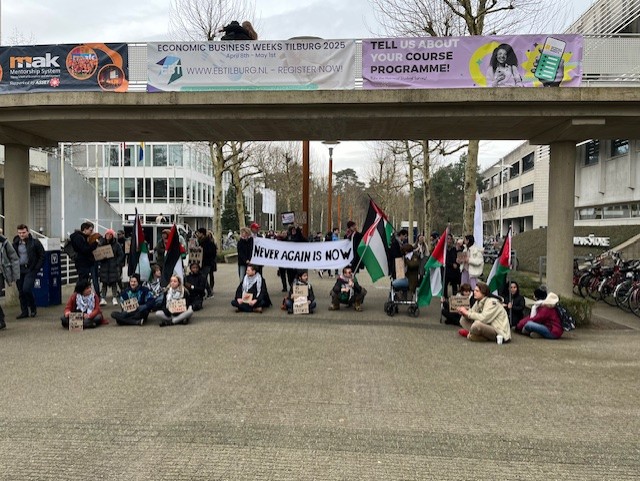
(503, 68)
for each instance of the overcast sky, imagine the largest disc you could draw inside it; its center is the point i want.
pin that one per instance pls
(79, 21)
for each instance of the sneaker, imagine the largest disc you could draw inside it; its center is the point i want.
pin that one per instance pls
(463, 332)
(535, 335)
(476, 338)
(334, 307)
(114, 302)
(103, 302)
(141, 322)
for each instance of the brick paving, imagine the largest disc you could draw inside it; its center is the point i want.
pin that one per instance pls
(331, 396)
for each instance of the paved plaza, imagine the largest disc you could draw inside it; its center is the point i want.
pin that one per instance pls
(332, 396)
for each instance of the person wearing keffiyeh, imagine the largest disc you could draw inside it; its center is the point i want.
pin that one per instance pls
(175, 292)
(86, 301)
(251, 294)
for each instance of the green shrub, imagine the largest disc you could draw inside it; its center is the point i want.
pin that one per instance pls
(580, 309)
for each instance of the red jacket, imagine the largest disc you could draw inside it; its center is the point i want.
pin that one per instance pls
(548, 317)
(71, 306)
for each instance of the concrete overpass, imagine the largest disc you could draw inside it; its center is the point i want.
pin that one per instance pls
(560, 117)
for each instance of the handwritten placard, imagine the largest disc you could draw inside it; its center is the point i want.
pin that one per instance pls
(301, 306)
(195, 255)
(127, 246)
(103, 252)
(458, 301)
(176, 306)
(300, 291)
(461, 257)
(130, 305)
(247, 297)
(76, 321)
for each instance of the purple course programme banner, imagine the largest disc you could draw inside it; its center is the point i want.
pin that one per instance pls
(469, 62)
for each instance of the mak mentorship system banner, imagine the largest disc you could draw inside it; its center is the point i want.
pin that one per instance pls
(311, 255)
(468, 62)
(90, 66)
(252, 65)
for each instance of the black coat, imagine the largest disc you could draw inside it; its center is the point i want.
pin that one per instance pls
(84, 250)
(35, 252)
(111, 269)
(209, 252)
(245, 251)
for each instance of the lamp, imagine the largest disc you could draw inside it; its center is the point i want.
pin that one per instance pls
(330, 144)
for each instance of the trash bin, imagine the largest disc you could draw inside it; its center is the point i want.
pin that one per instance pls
(47, 288)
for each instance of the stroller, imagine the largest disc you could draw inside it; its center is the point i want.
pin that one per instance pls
(400, 297)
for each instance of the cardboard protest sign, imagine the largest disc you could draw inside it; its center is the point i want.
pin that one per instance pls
(195, 255)
(130, 305)
(76, 321)
(247, 297)
(177, 306)
(301, 306)
(103, 252)
(300, 291)
(458, 301)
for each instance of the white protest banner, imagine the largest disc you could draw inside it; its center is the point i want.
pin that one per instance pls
(301, 64)
(302, 255)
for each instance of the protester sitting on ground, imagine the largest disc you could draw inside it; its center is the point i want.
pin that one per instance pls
(486, 320)
(453, 318)
(302, 279)
(347, 291)
(514, 304)
(156, 285)
(545, 322)
(251, 294)
(110, 272)
(144, 299)
(87, 302)
(196, 285)
(173, 310)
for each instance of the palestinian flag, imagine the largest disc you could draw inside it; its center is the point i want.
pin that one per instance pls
(432, 284)
(173, 257)
(376, 239)
(144, 266)
(501, 266)
(137, 238)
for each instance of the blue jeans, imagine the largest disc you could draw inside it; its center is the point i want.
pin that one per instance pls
(242, 270)
(400, 284)
(539, 329)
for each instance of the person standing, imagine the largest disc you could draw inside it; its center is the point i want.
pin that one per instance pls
(111, 268)
(245, 251)
(9, 268)
(31, 257)
(84, 242)
(452, 269)
(209, 253)
(356, 237)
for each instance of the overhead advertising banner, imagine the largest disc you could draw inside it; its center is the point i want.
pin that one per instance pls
(90, 66)
(305, 64)
(302, 255)
(471, 62)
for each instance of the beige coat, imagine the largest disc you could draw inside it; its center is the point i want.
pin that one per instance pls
(489, 310)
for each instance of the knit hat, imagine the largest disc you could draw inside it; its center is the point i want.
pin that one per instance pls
(551, 300)
(254, 226)
(110, 231)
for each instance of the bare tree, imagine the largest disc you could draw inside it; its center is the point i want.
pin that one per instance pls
(441, 18)
(196, 20)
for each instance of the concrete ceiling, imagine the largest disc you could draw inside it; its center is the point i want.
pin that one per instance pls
(539, 115)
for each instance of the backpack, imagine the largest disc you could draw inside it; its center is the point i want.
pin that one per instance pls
(567, 321)
(69, 250)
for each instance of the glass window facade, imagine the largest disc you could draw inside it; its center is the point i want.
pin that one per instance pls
(528, 162)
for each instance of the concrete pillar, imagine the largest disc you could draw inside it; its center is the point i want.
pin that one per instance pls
(562, 167)
(17, 197)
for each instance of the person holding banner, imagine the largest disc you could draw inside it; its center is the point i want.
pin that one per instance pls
(302, 280)
(85, 301)
(111, 267)
(245, 251)
(503, 68)
(175, 308)
(251, 294)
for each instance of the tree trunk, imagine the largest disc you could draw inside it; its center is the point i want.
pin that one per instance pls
(470, 188)
(217, 158)
(237, 183)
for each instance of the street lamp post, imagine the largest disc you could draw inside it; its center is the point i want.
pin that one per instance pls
(330, 144)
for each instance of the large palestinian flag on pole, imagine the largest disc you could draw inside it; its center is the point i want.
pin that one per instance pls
(376, 239)
(501, 266)
(137, 238)
(432, 283)
(173, 257)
